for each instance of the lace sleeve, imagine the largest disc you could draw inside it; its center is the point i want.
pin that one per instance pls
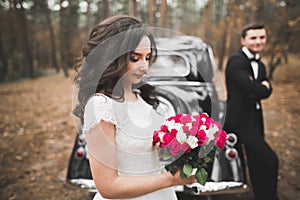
(97, 108)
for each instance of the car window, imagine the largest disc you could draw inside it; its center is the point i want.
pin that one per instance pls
(170, 64)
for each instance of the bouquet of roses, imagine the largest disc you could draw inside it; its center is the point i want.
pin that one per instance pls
(190, 142)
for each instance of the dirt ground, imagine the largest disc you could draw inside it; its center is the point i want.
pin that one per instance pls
(37, 133)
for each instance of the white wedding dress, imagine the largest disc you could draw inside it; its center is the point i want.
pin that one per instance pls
(135, 123)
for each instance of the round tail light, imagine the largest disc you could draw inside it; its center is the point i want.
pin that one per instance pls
(231, 154)
(81, 139)
(80, 153)
(231, 139)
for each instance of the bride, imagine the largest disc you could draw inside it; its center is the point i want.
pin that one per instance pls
(118, 113)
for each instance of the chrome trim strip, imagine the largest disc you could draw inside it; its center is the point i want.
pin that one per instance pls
(87, 184)
(181, 83)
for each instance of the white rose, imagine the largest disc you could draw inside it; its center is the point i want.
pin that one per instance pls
(161, 135)
(172, 125)
(190, 125)
(192, 141)
(211, 132)
(181, 136)
(202, 127)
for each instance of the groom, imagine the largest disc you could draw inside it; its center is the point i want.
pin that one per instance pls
(247, 84)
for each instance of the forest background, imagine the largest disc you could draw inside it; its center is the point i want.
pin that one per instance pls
(38, 36)
(40, 39)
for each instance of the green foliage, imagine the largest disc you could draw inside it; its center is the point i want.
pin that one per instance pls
(187, 169)
(171, 169)
(188, 162)
(201, 176)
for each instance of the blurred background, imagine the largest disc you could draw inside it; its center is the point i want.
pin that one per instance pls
(39, 43)
(41, 35)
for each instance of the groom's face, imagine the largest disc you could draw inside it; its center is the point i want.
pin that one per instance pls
(255, 40)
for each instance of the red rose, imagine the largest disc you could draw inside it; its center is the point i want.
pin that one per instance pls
(176, 118)
(173, 132)
(167, 138)
(164, 128)
(155, 138)
(208, 123)
(221, 139)
(203, 117)
(201, 136)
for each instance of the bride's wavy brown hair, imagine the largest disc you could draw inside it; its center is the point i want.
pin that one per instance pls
(104, 61)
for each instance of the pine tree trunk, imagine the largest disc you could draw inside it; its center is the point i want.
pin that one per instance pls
(52, 40)
(63, 40)
(132, 7)
(27, 49)
(152, 9)
(105, 9)
(4, 61)
(163, 14)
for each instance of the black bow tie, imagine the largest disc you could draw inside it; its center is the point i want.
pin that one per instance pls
(254, 59)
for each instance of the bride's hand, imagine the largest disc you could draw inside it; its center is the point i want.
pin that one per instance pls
(177, 180)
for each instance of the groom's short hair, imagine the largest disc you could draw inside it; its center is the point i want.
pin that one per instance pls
(251, 25)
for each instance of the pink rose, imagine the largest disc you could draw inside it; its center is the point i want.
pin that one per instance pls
(186, 119)
(175, 148)
(197, 122)
(185, 147)
(185, 129)
(193, 131)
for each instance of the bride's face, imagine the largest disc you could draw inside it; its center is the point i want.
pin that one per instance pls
(138, 64)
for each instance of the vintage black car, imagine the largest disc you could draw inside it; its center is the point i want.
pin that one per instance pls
(183, 75)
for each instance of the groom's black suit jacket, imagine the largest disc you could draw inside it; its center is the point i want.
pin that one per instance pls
(246, 121)
(244, 93)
